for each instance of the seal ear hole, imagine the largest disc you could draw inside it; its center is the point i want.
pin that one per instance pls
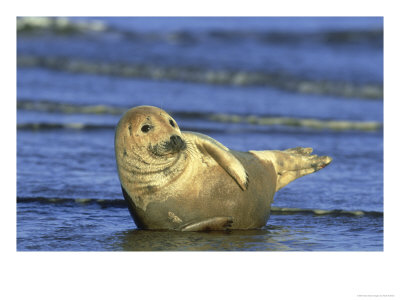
(172, 123)
(145, 128)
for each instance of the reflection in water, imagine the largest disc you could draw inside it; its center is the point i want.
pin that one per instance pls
(271, 238)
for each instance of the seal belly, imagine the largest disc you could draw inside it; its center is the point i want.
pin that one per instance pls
(254, 204)
(216, 195)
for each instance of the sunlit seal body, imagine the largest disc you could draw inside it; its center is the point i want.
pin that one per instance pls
(188, 181)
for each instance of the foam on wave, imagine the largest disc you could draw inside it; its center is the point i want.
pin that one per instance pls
(107, 203)
(206, 76)
(49, 106)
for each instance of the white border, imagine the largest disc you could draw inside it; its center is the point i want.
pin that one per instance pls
(185, 275)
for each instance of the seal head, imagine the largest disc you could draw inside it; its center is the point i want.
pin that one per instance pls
(146, 132)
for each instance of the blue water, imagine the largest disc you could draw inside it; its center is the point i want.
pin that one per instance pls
(250, 83)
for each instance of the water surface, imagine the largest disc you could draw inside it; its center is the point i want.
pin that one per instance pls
(250, 83)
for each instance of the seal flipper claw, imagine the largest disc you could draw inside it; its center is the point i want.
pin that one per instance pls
(247, 181)
(299, 150)
(216, 223)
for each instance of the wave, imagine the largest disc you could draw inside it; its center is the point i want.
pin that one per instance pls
(206, 76)
(73, 126)
(51, 107)
(81, 126)
(372, 37)
(336, 125)
(108, 203)
(58, 25)
(102, 202)
(68, 26)
(66, 108)
(314, 124)
(320, 212)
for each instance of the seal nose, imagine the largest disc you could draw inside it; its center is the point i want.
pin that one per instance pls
(176, 142)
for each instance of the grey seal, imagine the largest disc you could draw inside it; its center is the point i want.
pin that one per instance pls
(187, 181)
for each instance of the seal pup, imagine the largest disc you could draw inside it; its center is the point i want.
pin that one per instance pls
(190, 182)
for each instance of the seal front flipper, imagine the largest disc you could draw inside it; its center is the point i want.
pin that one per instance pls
(221, 155)
(216, 223)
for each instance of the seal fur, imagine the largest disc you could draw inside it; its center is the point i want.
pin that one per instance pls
(189, 181)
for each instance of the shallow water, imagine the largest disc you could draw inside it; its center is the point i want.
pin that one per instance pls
(91, 227)
(312, 82)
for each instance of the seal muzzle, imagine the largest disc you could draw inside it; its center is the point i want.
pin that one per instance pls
(176, 143)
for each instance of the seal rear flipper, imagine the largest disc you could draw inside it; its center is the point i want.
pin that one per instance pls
(216, 223)
(222, 156)
(293, 163)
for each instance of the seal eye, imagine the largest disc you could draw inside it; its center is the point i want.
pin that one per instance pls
(146, 128)
(172, 123)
